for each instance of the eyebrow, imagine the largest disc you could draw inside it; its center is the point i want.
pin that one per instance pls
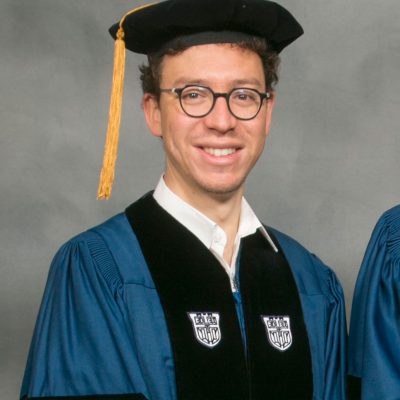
(235, 83)
(251, 81)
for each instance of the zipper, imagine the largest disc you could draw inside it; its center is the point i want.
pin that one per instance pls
(241, 318)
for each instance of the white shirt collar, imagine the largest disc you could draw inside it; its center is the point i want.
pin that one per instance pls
(199, 224)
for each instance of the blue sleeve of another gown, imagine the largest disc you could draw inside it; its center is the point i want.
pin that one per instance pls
(374, 342)
(81, 343)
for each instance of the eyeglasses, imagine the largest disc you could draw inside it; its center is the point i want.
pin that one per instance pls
(198, 101)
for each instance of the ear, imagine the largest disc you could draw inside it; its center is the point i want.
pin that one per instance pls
(270, 106)
(152, 114)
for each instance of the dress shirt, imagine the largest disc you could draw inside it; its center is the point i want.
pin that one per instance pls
(206, 230)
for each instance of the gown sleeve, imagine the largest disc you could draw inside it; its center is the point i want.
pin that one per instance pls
(325, 316)
(324, 313)
(81, 344)
(336, 340)
(374, 342)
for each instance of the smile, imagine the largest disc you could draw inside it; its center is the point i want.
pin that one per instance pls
(219, 152)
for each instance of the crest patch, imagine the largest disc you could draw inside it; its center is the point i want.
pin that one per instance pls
(278, 331)
(206, 327)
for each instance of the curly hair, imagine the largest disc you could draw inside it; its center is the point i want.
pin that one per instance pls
(150, 74)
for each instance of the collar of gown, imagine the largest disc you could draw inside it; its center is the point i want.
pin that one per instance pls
(206, 230)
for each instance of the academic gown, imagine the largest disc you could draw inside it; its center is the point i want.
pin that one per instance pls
(374, 339)
(138, 308)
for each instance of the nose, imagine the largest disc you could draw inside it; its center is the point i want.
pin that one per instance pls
(220, 118)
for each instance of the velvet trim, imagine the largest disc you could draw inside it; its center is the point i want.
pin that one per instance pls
(353, 387)
(268, 288)
(189, 279)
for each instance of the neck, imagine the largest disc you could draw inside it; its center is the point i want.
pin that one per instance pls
(222, 208)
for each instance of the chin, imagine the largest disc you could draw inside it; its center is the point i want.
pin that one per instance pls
(222, 189)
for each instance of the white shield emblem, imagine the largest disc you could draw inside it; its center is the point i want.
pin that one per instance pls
(206, 327)
(278, 331)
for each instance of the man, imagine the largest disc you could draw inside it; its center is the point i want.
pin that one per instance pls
(186, 295)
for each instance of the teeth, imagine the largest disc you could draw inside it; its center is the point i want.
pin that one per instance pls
(219, 152)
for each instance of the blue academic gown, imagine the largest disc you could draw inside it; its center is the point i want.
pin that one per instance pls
(101, 327)
(374, 341)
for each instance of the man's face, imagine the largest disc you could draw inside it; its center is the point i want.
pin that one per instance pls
(214, 154)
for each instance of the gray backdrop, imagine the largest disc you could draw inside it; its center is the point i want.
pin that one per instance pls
(330, 168)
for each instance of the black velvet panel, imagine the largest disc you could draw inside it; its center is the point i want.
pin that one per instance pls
(133, 396)
(188, 279)
(353, 387)
(269, 289)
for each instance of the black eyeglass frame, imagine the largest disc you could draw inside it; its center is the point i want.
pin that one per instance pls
(226, 96)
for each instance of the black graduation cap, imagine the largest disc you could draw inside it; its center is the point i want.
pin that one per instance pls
(151, 28)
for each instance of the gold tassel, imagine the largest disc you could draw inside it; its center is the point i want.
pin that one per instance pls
(114, 119)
